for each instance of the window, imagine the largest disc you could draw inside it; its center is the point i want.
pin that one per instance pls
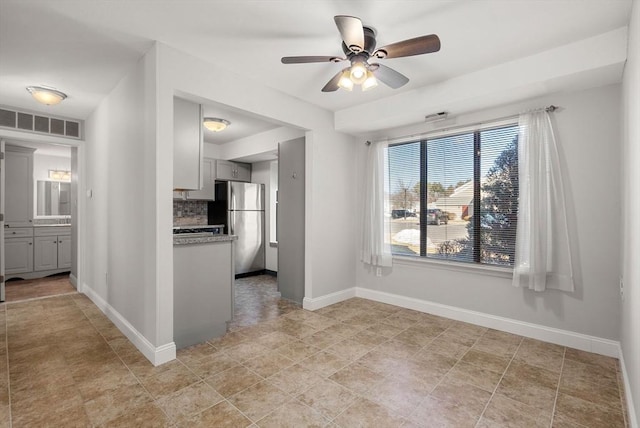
(455, 197)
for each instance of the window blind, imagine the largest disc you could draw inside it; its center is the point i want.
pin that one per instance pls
(455, 196)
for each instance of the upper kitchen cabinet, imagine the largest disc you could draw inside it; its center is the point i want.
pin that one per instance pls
(19, 186)
(233, 171)
(187, 145)
(207, 193)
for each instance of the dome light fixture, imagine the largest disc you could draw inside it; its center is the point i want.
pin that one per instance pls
(46, 95)
(215, 124)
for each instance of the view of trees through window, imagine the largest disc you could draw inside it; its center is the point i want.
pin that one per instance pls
(455, 197)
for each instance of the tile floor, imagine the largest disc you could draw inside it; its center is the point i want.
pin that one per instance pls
(17, 290)
(257, 299)
(353, 364)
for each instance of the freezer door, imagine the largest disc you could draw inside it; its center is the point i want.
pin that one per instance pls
(245, 196)
(248, 226)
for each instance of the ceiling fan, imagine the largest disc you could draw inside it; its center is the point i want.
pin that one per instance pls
(358, 45)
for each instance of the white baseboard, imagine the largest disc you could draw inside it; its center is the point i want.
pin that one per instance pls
(548, 334)
(329, 299)
(157, 355)
(73, 280)
(632, 418)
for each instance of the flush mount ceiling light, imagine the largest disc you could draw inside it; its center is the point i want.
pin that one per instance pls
(215, 124)
(46, 95)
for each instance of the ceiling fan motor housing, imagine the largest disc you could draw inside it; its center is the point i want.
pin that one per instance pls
(369, 44)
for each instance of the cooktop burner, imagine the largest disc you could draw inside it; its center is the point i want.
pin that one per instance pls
(205, 230)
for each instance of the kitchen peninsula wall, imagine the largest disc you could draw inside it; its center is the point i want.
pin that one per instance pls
(190, 213)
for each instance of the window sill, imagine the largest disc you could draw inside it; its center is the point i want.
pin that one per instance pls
(488, 270)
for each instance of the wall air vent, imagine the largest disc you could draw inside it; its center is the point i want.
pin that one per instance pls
(30, 122)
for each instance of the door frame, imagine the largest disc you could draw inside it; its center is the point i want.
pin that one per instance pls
(19, 138)
(2, 176)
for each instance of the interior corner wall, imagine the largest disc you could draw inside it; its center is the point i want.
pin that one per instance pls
(588, 133)
(119, 190)
(630, 318)
(331, 212)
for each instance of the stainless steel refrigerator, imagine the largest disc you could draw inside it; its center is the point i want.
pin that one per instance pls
(244, 205)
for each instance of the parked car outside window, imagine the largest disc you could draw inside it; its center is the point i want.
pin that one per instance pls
(437, 216)
(402, 214)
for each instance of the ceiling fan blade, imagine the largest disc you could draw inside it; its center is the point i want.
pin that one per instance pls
(388, 76)
(418, 46)
(307, 59)
(351, 31)
(332, 85)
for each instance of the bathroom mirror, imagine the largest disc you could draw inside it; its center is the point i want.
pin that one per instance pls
(53, 198)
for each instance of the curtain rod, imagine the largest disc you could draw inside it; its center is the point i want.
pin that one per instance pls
(549, 109)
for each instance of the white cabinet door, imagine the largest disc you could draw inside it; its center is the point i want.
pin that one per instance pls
(207, 192)
(187, 145)
(233, 171)
(224, 170)
(64, 252)
(18, 187)
(243, 172)
(18, 255)
(45, 253)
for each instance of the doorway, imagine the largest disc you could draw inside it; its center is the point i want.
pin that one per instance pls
(38, 243)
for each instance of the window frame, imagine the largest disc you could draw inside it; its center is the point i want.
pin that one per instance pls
(475, 265)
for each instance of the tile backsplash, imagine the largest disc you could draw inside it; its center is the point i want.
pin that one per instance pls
(189, 213)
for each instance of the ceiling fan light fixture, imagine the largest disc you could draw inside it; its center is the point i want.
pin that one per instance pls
(370, 82)
(345, 81)
(46, 95)
(215, 124)
(358, 71)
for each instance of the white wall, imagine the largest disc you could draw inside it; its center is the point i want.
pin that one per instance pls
(588, 135)
(264, 142)
(43, 163)
(630, 335)
(261, 173)
(120, 232)
(331, 212)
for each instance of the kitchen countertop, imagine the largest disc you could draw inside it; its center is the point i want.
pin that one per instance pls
(184, 240)
(53, 225)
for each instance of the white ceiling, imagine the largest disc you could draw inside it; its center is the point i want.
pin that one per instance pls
(242, 124)
(84, 47)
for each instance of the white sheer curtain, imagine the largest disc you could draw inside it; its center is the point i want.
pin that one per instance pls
(375, 251)
(543, 253)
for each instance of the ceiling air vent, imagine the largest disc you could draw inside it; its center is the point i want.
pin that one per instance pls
(7, 118)
(29, 122)
(25, 121)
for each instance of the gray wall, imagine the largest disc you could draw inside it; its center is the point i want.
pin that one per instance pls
(630, 336)
(588, 133)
